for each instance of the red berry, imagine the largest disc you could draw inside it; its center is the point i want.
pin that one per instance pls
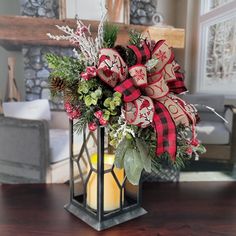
(92, 126)
(189, 151)
(102, 121)
(195, 142)
(98, 114)
(92, 71)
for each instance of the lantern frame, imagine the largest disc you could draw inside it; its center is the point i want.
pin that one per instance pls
(130, 203)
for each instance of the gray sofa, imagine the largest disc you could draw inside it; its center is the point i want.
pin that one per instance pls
(35, 151)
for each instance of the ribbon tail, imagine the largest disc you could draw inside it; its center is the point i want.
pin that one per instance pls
(165, 131)
(177, 86)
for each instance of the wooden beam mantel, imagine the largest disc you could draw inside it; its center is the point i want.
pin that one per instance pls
(22, 30)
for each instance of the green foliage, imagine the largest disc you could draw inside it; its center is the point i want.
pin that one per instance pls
(110, 35)
(201, 149)
(132, 155)
(120, 153)
(135, 38)
(146, 160)
(66, 68)
(89, 92)
(93, 97)
(86, 116)
(133, 165)
(141, 150)
(112, 104)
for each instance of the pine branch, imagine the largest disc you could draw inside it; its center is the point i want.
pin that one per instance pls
(66, 68)
(110, 35)
(85, 118)
(135, 38)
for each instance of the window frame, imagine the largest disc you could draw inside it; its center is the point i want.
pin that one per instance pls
(214, 16)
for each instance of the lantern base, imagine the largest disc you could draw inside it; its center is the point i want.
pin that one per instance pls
(105, 224)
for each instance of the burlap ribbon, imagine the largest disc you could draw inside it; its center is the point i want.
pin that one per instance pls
(149, 96)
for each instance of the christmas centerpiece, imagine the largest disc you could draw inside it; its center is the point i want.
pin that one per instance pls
(132, 91)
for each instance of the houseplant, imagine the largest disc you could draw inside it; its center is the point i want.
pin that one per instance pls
(131, 90)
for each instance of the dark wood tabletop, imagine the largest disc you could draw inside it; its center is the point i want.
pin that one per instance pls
(174, 209)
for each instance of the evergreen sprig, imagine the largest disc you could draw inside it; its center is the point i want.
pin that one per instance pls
(87, 116)
(110, 35)
(66, 68)
(135, 38)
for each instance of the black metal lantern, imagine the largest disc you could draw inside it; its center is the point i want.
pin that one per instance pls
(98, 215)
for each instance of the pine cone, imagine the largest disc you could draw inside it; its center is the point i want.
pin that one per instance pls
(122, 51)
(57, 84)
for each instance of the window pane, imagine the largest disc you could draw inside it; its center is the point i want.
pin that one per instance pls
(220, 57)
(217, 3)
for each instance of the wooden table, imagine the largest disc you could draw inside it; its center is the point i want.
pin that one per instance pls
(197, 208)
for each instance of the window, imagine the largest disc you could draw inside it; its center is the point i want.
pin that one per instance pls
(208, 5)
(217, 54)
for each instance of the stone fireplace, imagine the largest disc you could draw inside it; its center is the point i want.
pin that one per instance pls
(35, 66)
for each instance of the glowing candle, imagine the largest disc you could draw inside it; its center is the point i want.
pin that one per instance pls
(111, 189)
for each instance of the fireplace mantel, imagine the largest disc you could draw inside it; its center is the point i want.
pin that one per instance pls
(16, 31)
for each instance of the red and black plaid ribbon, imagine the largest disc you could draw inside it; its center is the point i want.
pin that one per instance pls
(130, 93)
(142, 54)
(165, 127)
(165, 131)
(177, 86)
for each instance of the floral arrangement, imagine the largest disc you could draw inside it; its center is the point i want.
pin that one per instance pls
(133, 91)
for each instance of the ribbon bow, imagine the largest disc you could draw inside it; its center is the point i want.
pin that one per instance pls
(149, 96)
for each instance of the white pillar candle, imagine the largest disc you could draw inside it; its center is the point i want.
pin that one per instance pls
(111, 189)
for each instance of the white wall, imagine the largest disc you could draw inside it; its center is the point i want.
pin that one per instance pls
(11, 7)
(180, 22)
(168, 9)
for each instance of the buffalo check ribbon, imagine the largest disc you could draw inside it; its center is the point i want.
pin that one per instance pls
(149, 96)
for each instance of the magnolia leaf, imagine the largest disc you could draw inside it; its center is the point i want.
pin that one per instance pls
(133, 165)
(142, 148)
(120, 153)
